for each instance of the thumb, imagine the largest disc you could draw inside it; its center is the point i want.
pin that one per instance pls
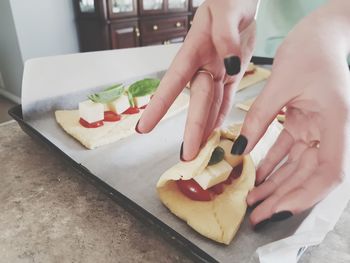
(260, 115)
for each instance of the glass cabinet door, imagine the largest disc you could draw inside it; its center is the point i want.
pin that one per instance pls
(87, 6)
(122, 6)
(150, 5)
(177, 4)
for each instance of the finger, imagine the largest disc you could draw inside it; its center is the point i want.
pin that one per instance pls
(267, 209)
(175, 79)
(327, 175)
(279, 176)
(202, 92)
(226, 104)
(277, 152)
(308, 193)
(307, 165)
(260, 115)
(214, 109)
(267, 188)
(225, 35)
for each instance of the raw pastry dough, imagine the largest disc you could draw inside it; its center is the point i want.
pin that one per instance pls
(245, 105)
(220, 218)
(111, 131)
(260, 74)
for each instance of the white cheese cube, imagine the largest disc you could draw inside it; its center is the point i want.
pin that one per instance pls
(213, 174)
(106, 107)
(142, 101)
(119, 105)
(91, 111)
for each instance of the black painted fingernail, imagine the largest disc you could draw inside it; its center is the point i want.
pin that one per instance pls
(181, 151)
(239, 145)
(137, 127)
(261, 224)
(232, 65)
(281, 216)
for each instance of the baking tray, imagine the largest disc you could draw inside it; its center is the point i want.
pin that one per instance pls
(138, 211)
(188, 247)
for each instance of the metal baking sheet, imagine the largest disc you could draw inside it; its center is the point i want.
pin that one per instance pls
(131, 167)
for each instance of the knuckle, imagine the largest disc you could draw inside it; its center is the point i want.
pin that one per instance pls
(254, 119)
(203, 91)
(217, 102)
(162, 103)
(339, 178)
(181, 76)
(224, 41)
(198, 125)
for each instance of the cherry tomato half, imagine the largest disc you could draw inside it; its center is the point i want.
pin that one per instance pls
(217, 189)
(132, 110)
(193, 190)
(86, 124)
(249, 72)
(237, 171)
(111, 116)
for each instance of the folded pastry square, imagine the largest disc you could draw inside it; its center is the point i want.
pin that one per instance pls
(209, 192)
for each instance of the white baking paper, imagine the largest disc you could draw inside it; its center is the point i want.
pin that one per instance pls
(133, 165)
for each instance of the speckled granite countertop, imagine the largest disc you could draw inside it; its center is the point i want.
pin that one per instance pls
(51, 214)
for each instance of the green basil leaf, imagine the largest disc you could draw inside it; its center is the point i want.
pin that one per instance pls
(131, 99)
(143, 87)
(109, 94)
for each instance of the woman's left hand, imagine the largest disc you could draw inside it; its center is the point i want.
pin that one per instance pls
(310, 76)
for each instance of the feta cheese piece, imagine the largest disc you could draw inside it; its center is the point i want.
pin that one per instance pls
(142, 101)
(119, 105)
(91, 111)
(214, 174)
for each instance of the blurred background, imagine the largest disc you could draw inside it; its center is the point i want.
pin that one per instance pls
(36, 28)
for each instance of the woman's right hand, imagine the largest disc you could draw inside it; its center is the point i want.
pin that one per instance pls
(222, 30)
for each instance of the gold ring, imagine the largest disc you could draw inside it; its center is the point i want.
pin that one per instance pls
(206, 72)
(201, 71)
(314, 144)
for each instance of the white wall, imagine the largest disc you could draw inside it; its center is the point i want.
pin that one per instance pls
(30, 29)
(11, 63)
(45, 27)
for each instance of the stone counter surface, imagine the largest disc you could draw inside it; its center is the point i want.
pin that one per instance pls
(49, 213)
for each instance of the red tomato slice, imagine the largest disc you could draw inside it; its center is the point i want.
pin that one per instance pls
(86, 124)
(143, 107)
(111, 116)
(217, 189)
(132, 110)
(228, 180)
(237, 171)
(249, 72)
(193, 190)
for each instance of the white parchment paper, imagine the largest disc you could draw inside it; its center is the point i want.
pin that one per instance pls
(133, 165)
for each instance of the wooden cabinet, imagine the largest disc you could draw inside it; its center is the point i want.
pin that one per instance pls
(125, 34)
(111, 24)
